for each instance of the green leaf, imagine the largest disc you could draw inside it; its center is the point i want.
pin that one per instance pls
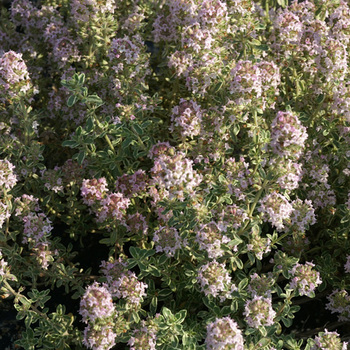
(127, 142)
(243, 284)
(81, 157)
(72, 100)
(135, 252)
(94, 99)
(287, 321)
(153, 305)
(89, 124)
(79, 131)
(180, 316)
(166, 312)
(81, 79)
(138, 129)
(164, 293)
(70, 143)
(154, 271)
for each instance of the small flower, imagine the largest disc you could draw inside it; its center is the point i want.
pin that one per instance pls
(43, 254)
(302, 216)
(259, 245)
(261, 285)
(215, 280)
(4, 212)
(113, 206)
(288, 135)
(96, 303)
(144, 338)
(347, 264)
(328, 341)
(26, 204)
(305, 279)
(136, 224)
(231, 216)
(132, 185)
(130, 288)
(339, 302)
(37, 227)
(5, 269)
(168, 240)
(94, 190)
(101, 337)
(186, 117)
(14, 76)
(224, 334)
(7, 177)
(259, 312)
(210, 239)
(175, 175)
(276, 209)
(113, 270)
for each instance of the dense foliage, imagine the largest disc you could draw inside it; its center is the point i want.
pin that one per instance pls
(175, 174)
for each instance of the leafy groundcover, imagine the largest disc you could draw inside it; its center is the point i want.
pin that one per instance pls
(174, 174)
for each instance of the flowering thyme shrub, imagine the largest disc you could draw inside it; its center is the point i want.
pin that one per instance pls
(176, 174)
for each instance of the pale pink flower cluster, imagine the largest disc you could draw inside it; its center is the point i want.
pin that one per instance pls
(339, 303)
(305, 279)
(4, 268)
(224, 334)
(161, 148)
(114, 207)
(96, 309)
(144, 338)
(329, 341)
(101, 338)
(186, 117)
(237, 173)
(302, 216)
(174, 175)
(86, 10)
(259, 245)
(125, 56)
(288, 135)
(26, 204)
(129, 288)
(107, 206)
(14, 76)
(167, 239)
(4, 212)
(212, 13)
(347, 264)
(37, 229)
(290, 173)
(276, 209)
(136, 223)
(339, 22)
(332, 62)
(215, 280)
(260, 285)
(132, 185)
(122, 283)
(196, 38)
(231, 217)
(176, 13)
(316, 174)
(210, 239)
(96, 303)
(254, 82)
(259, 312)
(8, 179)
(94, 190)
